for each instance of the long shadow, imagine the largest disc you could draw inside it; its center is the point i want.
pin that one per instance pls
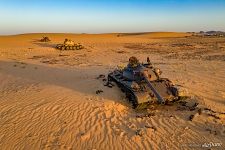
(44, 44)
(80, 80)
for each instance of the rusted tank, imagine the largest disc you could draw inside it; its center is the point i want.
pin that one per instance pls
(45, 39)
(142, 84)
(69, 45)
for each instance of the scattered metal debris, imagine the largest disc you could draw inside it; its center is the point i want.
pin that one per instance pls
(99, 91)
(101, 76)
(185, 106)
(109, 84)
(191, 117)
(150, 127)
(200, 111)
(139, 132)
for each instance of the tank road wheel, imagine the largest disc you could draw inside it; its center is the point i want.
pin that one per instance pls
(132, 99)
(70, 48)
(67, 48)
(80, 47)
(62, 48)
(77, 47)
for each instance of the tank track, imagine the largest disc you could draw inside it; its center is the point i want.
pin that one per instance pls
(65, 47)
(128, 92)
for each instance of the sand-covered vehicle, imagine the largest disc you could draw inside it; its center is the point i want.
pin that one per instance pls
(69, 45)
(45, 39)
(143, 85)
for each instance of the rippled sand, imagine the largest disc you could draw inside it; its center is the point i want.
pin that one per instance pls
(48, 98)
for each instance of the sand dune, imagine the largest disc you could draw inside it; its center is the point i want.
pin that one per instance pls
(48, 98)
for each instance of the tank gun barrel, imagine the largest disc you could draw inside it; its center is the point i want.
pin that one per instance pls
(158, 96)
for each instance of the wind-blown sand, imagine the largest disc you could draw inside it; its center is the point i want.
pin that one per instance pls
(48, 98)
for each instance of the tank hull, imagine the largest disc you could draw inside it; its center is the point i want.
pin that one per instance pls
(144, 95)
(69, 47)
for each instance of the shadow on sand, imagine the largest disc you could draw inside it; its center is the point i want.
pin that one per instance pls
(44, 44)
(82, 80)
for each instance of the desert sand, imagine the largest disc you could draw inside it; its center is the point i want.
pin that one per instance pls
(48, 97)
